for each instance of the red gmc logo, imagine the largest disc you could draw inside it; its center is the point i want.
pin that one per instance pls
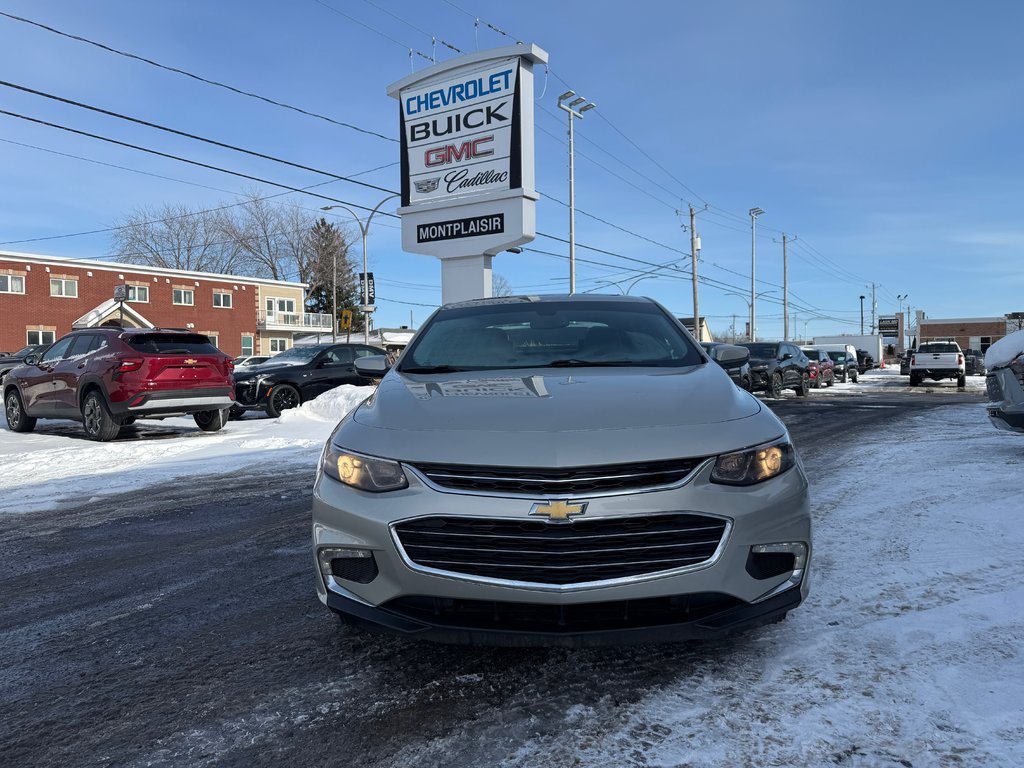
(453, 153)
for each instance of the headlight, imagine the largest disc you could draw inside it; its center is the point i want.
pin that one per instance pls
(754, 466)
(364, 472)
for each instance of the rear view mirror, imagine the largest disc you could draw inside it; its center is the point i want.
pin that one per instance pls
(373, 366)
(732, 355)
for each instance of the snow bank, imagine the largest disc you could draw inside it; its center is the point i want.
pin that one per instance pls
(1005, 350)
(331, 406)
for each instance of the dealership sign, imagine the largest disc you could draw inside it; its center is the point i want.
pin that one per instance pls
(467, 153)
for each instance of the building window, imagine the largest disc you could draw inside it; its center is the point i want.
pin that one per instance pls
(139, 293)
(12, 284)
(222, 300)
(39, 337)
(280, 306)
(278, 345)
(62, 287)
(184, 296)
(247, 345)
(214, 339)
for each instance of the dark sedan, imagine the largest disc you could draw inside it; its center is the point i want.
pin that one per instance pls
(13, 360)
(299, 374)
(737, 365)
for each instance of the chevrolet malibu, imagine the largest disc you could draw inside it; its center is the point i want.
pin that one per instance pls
(559, 470)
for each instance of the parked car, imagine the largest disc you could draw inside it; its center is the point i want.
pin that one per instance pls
(246, 361)
(558, 470)
(1005, 382)
(13, 360)
(735, 364)
(294, 376)
(109, 377)
(974, 363)
(821, 367)
(777, 366)
(844, 360)
(865, 362)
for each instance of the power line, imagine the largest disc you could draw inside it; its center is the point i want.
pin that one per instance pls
(185, 134)
(375, 30)
(199, 78)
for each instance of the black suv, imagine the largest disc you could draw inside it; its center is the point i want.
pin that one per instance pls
(299, 374)
(777, 366)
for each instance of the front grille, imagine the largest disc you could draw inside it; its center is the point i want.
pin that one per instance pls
(565, 481)
(576, 552)
(994, 388)
(557, 619)
(245, 392)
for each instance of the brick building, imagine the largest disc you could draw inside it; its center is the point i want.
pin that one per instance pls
(978, 333)
(44, 297)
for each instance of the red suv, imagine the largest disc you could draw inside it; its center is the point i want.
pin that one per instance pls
(108, 377)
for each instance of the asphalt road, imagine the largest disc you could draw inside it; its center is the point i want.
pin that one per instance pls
(179, 626)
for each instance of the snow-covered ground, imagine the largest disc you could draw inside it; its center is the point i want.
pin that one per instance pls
(909, 651)
(57, 464)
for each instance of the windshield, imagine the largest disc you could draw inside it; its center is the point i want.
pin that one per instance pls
(541, 334)
(762, 351)
(813, 354)
(26, 351)
(294, 356)
(838, 357)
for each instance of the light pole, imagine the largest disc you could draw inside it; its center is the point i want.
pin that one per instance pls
(366, 309)
(861, 315)
(901, 298)
(805, 330)
(631, 285)
(747, 302)
(754, 213)
(570, 108)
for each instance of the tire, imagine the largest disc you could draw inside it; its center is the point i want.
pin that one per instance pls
(127, 421)
(805, 386)
(853, 377)
(283, 397)
(211, 421)
(774, 385)
(831, 381)
(748, 384)
(914, 380)
(17, 419)
(961, 380)
(99, 424)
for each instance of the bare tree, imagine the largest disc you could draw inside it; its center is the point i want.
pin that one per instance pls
(176, 237)
(500, 286)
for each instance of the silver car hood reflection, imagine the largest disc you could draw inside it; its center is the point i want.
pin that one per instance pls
(558, 417)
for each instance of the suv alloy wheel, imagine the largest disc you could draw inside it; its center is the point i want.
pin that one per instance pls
(17, 419)
(99, 424)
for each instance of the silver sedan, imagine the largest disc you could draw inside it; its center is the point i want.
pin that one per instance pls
(562, 470)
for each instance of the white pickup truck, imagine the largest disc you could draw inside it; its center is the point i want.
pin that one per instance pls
(938, 360)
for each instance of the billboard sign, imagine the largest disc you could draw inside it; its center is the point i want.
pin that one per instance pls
(888, 326)
(467, 160)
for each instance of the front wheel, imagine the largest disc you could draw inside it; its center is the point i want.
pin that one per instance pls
(805, 386)
(17, 419)
(211, 421)
(99, 424)
(961, 380)
(775, 385)
(853, 377)
(282, 398)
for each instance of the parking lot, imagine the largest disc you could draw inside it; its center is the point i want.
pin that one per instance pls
(159, 610)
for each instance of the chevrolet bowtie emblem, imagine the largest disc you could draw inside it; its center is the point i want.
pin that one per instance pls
(557, 510)
(191, 361)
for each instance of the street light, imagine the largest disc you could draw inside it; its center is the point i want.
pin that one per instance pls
(366, 309)
(862, 315)
(901, 298)
(573, 112)
(747, 302)
(754, 213)
(631, 285)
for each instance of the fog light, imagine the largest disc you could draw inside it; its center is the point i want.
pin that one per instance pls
(766, 558)
(358, 565)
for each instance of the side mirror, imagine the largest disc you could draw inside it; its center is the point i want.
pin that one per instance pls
(730, 355)
(373, 366)
(31, 359)
(787, 356)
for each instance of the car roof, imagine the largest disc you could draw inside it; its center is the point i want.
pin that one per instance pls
(576, 298)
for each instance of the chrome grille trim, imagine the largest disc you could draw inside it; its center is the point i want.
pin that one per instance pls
(673, 567)
(559, 487)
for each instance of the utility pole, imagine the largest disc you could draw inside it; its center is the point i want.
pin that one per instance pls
(862, 315)
(873, 308)
(785, 292)
(693, 261)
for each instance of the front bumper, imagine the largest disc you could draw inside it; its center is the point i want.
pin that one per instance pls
(715, 598)
(249, 395)
(1006, 400)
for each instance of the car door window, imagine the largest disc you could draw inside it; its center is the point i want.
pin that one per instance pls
(58, 350)
(82, 345)
(339, 356)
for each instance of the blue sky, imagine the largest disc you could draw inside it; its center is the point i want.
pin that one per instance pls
(886, 137)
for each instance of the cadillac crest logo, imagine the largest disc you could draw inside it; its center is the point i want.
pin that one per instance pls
(427, 185)
(558, 511)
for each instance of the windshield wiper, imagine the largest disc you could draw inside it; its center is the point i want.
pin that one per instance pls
(433, 369)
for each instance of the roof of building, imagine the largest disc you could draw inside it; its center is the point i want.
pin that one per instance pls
(117, 266)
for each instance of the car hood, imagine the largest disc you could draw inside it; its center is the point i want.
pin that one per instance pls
(246, 372)
(558, 418)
